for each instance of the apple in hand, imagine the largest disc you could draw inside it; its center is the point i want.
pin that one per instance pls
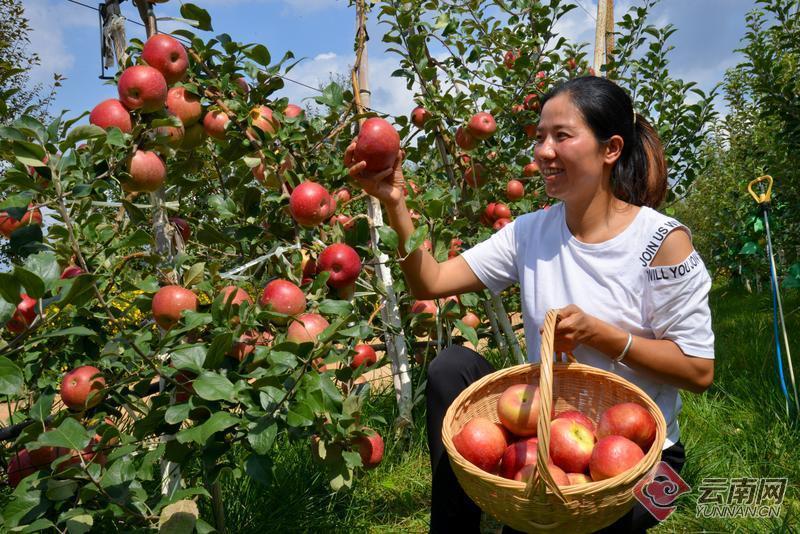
(82, 388)
(23, 315)
(283, 296)
(167, 55)
(613, 455)
(482, 125)
(377, 144)
(142, 87)
(481, 442)
(342, 262)
(168, 304)
(571, 445)
(306, 328)
(110, 113)
(518, 409)
(630, 420)
(310, 204)
(147, 172)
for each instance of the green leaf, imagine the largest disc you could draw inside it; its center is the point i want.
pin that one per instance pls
(190, 358)
(749, 248)
(42, 407)
(416, 239)
(137, 239)
(71, 331)
(81, 290)
(45, 265)
(177, 413)
(194, 275)
(259, 468)
(213, 386)
(388, 236)
(259, 54)
(69, 435)
(84, 131)
(61, 490)
(338, 308)
(468, 332)
(11, 378)
(202, 433)
(9, 288)
(262, 435)
(80, 524)
(198, 15)
(29, 153)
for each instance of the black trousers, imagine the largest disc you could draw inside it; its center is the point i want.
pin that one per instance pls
(449, 374)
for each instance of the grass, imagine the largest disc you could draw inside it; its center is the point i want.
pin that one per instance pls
(738, 428)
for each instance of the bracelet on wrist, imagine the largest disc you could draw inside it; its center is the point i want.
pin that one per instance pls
(625, 350)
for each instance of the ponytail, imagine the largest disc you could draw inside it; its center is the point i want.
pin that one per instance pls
(639, 176)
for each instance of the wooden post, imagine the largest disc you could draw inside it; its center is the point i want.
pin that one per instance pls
(390, 311)
(600, 36)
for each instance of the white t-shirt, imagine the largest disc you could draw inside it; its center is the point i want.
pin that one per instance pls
(612, 281)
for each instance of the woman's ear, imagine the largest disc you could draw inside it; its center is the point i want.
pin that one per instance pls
(613, 149)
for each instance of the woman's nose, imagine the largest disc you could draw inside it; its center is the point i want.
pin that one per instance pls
(544, 150)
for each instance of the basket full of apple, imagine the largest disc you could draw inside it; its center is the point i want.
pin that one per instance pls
(553, 445)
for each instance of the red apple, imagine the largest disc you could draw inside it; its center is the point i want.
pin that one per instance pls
(9, 224)
(309, 269)
(307, 328)
(167, 55)
(24, 463)
(261, 117)
(578, 478)
(501, 211)
(419, 116)
(185, 105)
(450, 306)
(518, 409)
(242, 84)
(247, 342)
(531, 169)
(370, 447)
(311, 204)
(578, 417)
(147, 172)
(142, 87)
(184, 388)
(472, 320)
(342, 262)
(518, 455)
(531, 101)
(500, 223)
(571, 445)
(426, 307)
(517, 108)
(342, 195)
(110, 113)
(169, 302)
(364, 355)
(282, 296)
(475, 175)
(613, 455)
(182, 227)
(215, 122)
(510, 58)
(465, 140)
(82, 388)
(292, 111)
(92, 453)
(482, 443)
(530, 130)
(558, 474)
(571, 64)
(239, 295)
(378, 144)
(488, 216)
(170, 135)
(515, 190)
(630, 420)
(23, 316)
(482, 125)
(71, 271)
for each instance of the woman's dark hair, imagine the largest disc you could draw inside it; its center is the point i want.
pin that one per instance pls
(640, 174)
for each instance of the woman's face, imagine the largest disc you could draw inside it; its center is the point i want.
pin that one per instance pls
(570, 158)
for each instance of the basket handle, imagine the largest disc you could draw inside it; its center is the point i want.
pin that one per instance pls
(541, 479)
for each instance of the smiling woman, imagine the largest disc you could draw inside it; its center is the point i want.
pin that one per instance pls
(603, 256)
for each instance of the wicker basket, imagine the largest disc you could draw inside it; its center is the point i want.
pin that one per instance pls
(540, 505)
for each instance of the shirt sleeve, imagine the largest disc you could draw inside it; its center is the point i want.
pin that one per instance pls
(678, 305)
(494, 261)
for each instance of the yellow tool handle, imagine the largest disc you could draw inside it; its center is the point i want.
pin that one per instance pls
(761, 197)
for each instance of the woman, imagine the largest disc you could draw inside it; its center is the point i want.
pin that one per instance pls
(632, 292)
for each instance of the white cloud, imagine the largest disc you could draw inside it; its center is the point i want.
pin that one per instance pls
(48, 22)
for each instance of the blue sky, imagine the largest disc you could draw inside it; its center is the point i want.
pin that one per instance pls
(66, 36)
